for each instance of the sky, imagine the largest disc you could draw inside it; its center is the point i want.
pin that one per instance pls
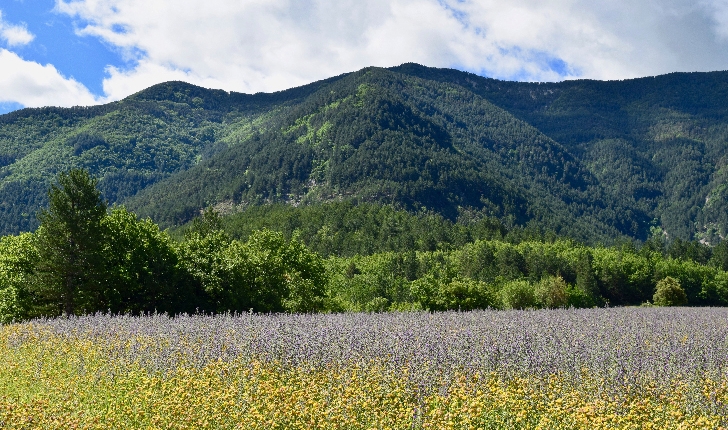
(84, 52)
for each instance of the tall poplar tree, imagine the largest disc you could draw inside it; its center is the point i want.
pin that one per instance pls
(70, 245)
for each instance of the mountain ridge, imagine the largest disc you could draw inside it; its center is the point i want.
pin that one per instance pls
(594, 160)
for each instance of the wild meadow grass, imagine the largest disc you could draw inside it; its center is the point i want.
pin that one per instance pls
(623, 368)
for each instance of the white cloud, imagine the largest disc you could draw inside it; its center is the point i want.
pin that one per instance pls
(31, 84)
(266, 45)
(271, 45)
(719, 11)
(257, 45)
(14, 35)
(601, 40)
(34, 85)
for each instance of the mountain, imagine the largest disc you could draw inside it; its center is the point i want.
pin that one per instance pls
(597, 161)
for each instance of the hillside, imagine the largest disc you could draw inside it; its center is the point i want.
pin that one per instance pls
(597, 161)
(129, 144)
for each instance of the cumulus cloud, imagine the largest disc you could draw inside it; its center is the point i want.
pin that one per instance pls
(29, 84)
(263, 45)
(33, 85)
(267, 45)
(14, 35)
(719, 11)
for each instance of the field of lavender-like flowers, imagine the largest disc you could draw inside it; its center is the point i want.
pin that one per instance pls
(588, 368)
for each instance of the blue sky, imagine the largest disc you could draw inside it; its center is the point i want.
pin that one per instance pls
(55, 42)
(81, 52)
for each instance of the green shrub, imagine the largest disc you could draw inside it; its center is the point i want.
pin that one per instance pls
(668, 292)
(377, 304)
(577, 297)
(551, 292)
(11, 308)
(17, 258)
(518, 294)
(463, 294)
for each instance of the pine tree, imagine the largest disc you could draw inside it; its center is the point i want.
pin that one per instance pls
(70, 245)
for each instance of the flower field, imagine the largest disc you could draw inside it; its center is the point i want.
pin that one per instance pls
(591, 368)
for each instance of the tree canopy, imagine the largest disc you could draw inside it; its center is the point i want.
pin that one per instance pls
(86, 258)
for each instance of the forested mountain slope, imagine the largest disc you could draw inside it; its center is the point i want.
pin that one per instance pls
(657, 142)
(128, 144)
(593, 160)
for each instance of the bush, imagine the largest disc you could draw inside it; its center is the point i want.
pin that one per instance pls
(579, 298)
(17, 259)
(377, 304)
(463, 294)
(551, 292)
(517, 294)
(11, 308)
(668, 292)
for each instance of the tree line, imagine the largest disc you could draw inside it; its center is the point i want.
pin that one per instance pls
(86, 257)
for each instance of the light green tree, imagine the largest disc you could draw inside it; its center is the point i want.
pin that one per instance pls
(552, 292)
(668, 292)
(281, 275)
(517, 294)
(140, 266)
(18, 257)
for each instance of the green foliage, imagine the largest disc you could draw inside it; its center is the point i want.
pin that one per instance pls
(579, 298)
(464, 295)
(668, 292)
(140, 264)
(719, 256)
(691, 250)
(715, 292)
(586, 289)
(606, 175)
(346, 229)
(595, 161)
(375, 282)
(18, 257)
(455, 294)
(211, 271)
(266, 274)
(623, 276)
(517, 294)
(69, 244)
(84, 258)
(558, 274)
(284, 275)
(206, 224)
(552, 292)
(90, 260)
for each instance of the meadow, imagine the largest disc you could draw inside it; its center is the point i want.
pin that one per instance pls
(610, 368)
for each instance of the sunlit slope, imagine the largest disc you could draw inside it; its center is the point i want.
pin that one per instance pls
(128, 144)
